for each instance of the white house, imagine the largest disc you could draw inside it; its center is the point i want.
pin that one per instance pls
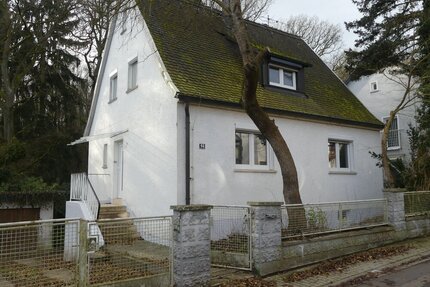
(381, 93)
(166, 126)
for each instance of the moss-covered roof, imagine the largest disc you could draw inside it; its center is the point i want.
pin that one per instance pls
(204, 63)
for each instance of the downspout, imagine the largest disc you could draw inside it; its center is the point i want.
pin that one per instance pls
(187, 155)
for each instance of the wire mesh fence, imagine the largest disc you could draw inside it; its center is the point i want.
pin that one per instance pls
(312, 219)
(80, 253)
(33, 253)
(130, 249)
(417, 203)
(230, 233)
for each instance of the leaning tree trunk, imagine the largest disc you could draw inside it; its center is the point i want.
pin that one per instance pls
(251, 64)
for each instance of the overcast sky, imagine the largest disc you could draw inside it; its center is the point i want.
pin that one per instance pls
(334, 11)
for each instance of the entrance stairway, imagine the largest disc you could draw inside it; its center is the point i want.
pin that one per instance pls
(118, 231)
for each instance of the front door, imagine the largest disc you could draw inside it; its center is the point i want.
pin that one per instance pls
(118, 169)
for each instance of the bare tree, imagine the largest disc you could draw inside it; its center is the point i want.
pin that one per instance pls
(322, 36)
(405, 77)
(251, 61)
(251, 9)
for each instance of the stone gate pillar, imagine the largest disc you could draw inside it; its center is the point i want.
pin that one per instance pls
(191, 245)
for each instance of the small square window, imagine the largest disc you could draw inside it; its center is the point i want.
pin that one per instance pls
(282, 77)
(339, 155)
(374, 87)
(132, 75)
(113, 88)
(251, 149)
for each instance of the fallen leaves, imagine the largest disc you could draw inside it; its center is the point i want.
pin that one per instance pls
(338, 265)
(249, 282)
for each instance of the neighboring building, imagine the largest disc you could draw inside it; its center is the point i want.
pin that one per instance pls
(381, 94)
(166, 126)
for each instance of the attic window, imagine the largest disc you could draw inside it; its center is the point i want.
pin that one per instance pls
(282, 77)
(374, 87)
(283, 74)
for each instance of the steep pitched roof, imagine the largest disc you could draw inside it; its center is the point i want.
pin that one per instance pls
(205, 64)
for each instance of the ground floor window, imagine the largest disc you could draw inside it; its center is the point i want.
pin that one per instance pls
(339, 155)
(251, 149)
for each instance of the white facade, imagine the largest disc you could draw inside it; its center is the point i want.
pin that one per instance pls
(146, 120)
(218, 180)
(381, 101)
(148, 125)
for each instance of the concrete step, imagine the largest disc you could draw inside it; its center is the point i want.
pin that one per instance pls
(123, 232)
(110, 211)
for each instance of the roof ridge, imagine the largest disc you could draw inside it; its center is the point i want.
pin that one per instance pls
(220, 13)
(265, 26)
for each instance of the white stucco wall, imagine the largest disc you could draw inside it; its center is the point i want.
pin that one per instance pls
(381, 102)
(215, 179)
(149, 114)
(154, 145)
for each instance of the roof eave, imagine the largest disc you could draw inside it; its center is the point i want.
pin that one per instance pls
(193, 99)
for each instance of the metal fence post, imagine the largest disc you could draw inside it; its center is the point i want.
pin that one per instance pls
(83, 269)
(340, 216)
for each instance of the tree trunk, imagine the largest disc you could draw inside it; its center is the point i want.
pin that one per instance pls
(8, 90)
(8, 127)
(388, 176)
(251, 64)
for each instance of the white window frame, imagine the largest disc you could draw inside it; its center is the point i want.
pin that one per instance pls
(113, 91)
(399, 146)
(350, 155)
(132, 74)
(281, 84)
(105, 156)
(372, 90)
(252, 167)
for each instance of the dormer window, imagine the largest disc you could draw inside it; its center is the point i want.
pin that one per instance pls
(282, 77)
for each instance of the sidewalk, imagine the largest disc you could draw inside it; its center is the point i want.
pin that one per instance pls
(419, 250)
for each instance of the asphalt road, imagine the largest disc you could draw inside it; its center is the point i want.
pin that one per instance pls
(413, 276)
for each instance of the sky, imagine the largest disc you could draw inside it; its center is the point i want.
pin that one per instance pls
(334, 11)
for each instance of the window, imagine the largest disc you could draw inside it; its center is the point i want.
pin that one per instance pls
(282, 77)
(393, 140)
(113, 87)
(251, 149)
(105, 155)
(374, 87)
(132, 75)
(339, 155)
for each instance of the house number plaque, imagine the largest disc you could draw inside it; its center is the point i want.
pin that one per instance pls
(202, 146)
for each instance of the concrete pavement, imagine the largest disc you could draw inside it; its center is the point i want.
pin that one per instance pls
(420, 250)
(357, 274)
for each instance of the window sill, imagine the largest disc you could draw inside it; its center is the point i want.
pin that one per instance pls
(350, 172)
(131, 89)
(111, 101)
(393, 148)
(254, 170)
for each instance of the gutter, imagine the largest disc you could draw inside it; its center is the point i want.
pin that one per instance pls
(297, 115)
(187, 155)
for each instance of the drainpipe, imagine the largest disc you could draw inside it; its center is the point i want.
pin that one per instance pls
(187, 155)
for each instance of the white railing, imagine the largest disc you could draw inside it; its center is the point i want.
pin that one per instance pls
(82, 190)
(310, 219)
(417, 203)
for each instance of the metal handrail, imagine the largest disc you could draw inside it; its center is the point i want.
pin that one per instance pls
(81, 189)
